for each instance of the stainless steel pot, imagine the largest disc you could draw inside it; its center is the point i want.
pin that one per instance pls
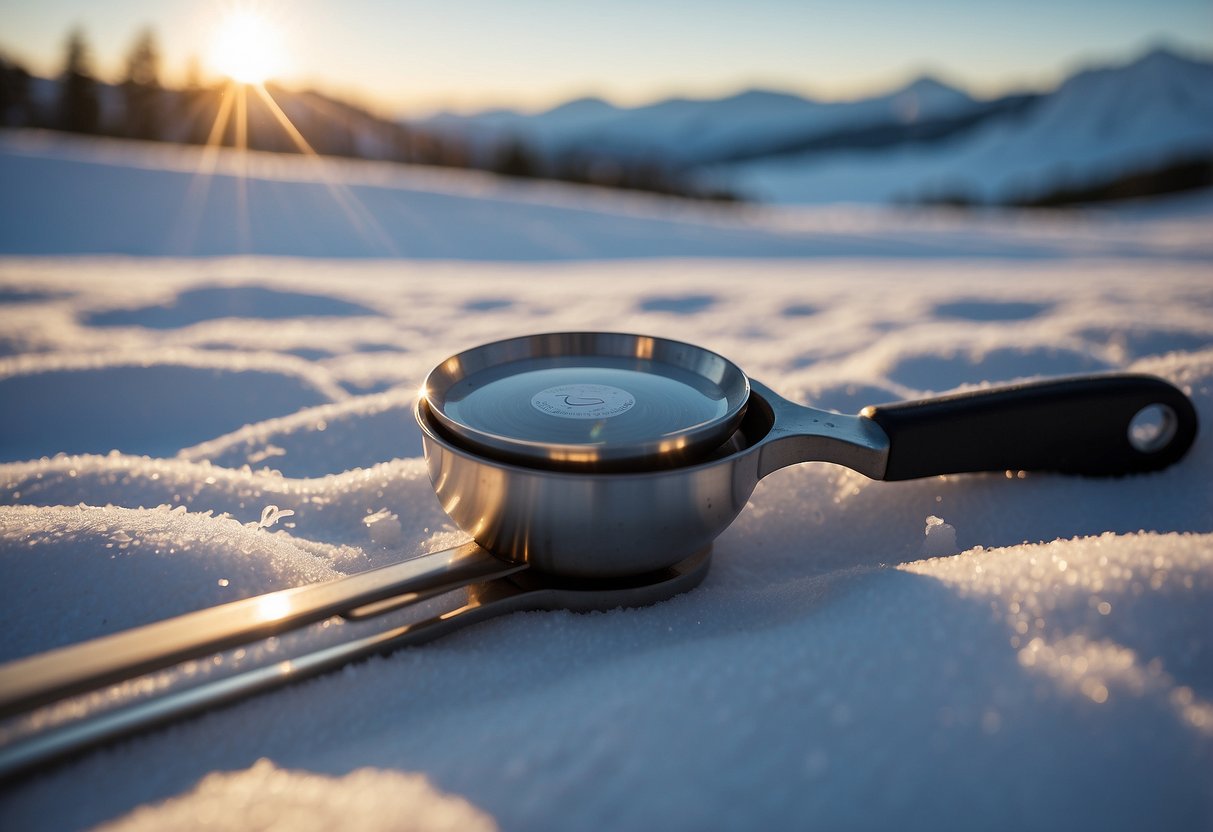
(599, 525)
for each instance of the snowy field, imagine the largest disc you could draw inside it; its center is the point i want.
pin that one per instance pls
(1043, 659)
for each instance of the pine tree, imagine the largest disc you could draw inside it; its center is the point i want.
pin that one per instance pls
(141, 88)
(79, 109)
(16, 106)
(514, 159)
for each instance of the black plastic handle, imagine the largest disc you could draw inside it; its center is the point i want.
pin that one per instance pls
(1073, 425)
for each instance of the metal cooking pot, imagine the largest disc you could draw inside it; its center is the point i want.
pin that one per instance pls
(574, 522)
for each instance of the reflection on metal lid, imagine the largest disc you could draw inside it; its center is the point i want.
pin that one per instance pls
(582, 400)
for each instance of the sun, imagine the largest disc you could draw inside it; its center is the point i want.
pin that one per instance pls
(247, 48)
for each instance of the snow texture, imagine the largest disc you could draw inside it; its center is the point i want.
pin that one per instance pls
(180, 432)
(163, 201)
(265, 797)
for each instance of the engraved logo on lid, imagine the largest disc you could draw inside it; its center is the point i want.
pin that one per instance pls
(583, 401)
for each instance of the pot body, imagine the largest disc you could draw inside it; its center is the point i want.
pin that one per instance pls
(593, 525)
(605, 525)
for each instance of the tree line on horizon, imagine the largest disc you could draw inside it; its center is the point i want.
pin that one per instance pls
(77, 106)
(140, 107)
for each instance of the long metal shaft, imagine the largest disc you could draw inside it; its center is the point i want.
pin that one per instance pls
(47, 677)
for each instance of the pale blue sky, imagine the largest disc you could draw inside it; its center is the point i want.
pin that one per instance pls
(410, 56)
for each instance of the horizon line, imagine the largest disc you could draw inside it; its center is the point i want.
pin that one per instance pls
(1044, 83)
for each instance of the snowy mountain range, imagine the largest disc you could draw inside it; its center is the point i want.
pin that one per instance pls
(926, 141)
(690, 132)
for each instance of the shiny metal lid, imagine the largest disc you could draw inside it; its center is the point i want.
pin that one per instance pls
(588, 400)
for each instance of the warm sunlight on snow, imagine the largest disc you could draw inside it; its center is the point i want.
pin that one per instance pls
(247, 47)
(204, 401)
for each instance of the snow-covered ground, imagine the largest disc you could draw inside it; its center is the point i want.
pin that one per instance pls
(1040, 659)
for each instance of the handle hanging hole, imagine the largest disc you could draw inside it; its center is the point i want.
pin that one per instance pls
(1152, 428)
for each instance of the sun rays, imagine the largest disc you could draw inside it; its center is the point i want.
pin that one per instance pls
(248, 48)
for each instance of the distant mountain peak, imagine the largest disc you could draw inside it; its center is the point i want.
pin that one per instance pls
(1165, 55)
(1160, 67)
(928, 83)
(929, 86)
(584, 105)
(760, 95)
(926, 95)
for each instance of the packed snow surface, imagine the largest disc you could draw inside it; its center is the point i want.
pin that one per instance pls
(1009, 650)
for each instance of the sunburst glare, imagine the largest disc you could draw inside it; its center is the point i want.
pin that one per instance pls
(247, 47)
